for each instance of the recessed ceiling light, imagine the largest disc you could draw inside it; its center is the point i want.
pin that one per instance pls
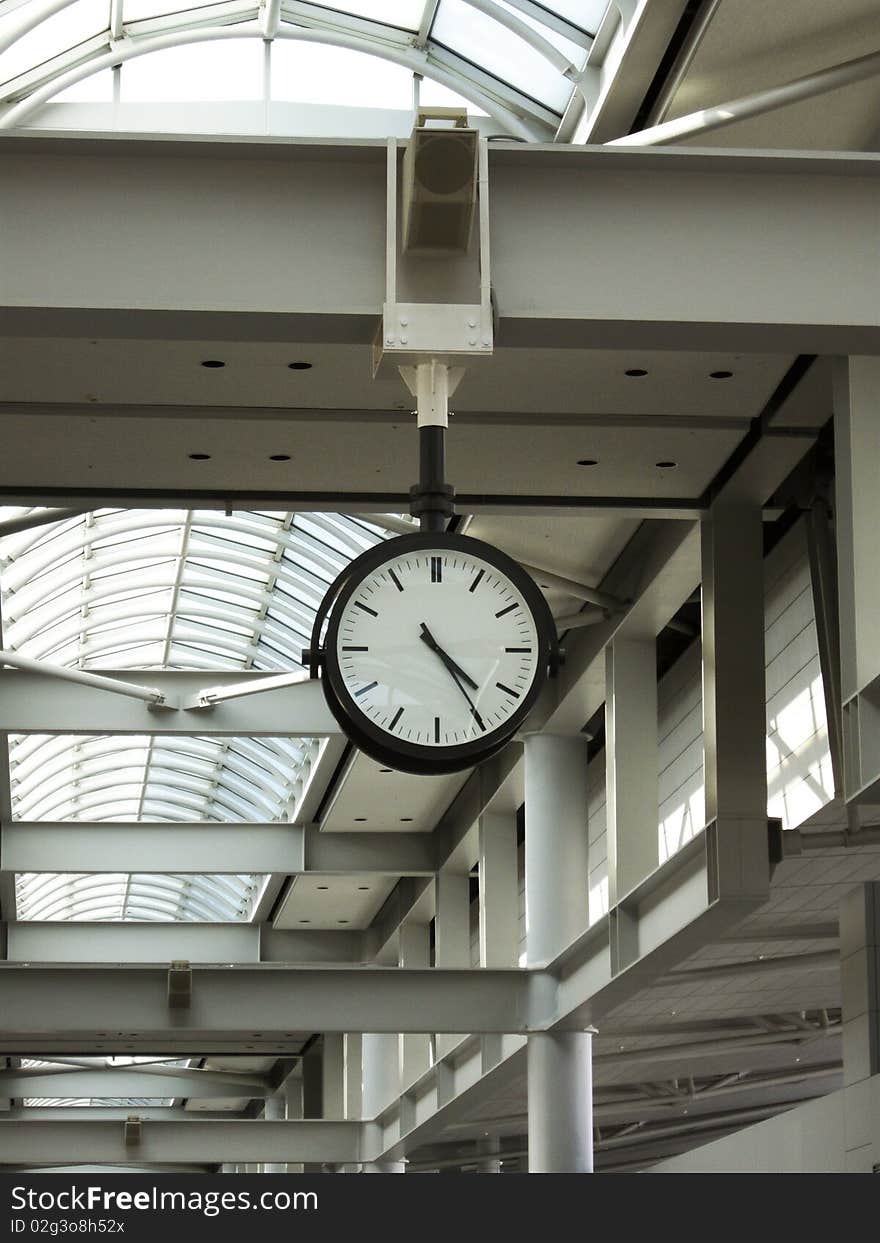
(213, 362)
(720, 375)
(300, 366)
(636, 371)
(200, 457)
(279, 457)
(588, 461)
(666, 465)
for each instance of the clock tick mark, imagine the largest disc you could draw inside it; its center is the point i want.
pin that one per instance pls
(436, 729)
(517, 649)
(398, 714)
(395, 580)
(364, 689)
(475, 584)
(355, 649)
(436, 570)
(509, 609)
(507, 690)
(366, 608)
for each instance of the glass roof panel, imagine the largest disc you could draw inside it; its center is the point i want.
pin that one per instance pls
(407, 14)
(227, 69)
(585, 14)
(317, 74)
(163, 590)
(75, 24)
(138, 10)
(504, 53)
(503, 59)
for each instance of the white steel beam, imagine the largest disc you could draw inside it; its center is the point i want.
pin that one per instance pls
(221, 848)
(75, 1006)
(128, 1082)
(72, 941)
(190, 1140)
(229, 944)
(740, 265)
(32, 703)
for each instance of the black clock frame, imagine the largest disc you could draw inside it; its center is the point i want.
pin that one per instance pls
(357, 726)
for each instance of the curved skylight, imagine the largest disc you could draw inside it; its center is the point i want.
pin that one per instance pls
(164, 589)
(517, 61)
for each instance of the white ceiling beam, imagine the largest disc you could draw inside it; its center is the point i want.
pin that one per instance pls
(33, 703)
(24, 1141)
(228, 848)
(115, 1082)
(55, 941)
(76, 1006)
(76, 941)
(740, 266)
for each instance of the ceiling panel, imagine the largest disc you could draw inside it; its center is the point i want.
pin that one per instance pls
(376, 799)
(547, 381)
(327, 903)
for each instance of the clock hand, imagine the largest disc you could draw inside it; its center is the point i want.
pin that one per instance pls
(450, 664)
(451, 667)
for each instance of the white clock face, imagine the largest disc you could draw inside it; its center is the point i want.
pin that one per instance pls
(437, 648)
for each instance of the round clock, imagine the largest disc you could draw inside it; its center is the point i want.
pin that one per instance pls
(435, 651)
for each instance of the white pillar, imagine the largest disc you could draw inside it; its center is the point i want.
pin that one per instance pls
(560, 1103)
(557, 844)
(630, 763)
(415, 1047)
(275, 1110)
(293, 1091)
(557, 911)
(353, 1087)
(856, 520)
(499, 891)
(860, 1000)
(734, 701)
(333, 1076)
(452, 933)
(381, 1071)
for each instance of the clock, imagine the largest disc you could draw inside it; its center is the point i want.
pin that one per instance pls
(436, 649)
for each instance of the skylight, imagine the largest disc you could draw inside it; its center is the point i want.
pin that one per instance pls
(515, 61)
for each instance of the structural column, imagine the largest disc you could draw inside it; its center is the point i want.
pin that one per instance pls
(630, 763)
(734, 701)
(499, 891)
(452, 931)
(557, 911)
(293, 1091)
(857, 519)
(275, 1110)
(860, 997)
(380, 1071)
(415, 1047)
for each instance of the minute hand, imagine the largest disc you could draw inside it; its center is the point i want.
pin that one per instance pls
(450, 664)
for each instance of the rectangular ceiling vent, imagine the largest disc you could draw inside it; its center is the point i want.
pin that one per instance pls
(439, 184)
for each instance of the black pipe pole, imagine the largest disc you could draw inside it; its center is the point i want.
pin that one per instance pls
(431, 500)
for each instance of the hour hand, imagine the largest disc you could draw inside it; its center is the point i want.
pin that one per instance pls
(450, 664)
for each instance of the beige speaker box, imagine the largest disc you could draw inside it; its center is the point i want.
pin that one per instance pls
(439, 186)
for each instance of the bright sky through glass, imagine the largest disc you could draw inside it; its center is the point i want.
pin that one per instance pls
(505, 60)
